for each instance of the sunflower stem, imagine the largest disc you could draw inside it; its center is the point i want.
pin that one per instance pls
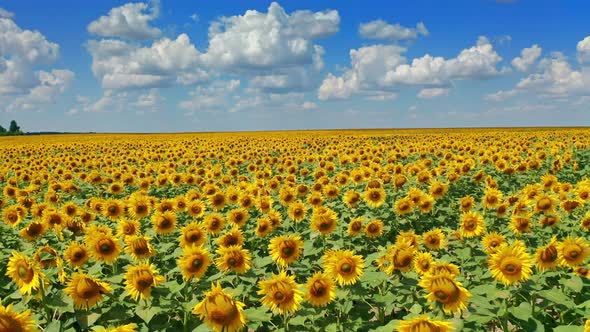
(44, 304)
(286, 322)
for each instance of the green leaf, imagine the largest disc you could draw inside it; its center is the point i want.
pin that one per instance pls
(146, 313)
(259, 314)
(53, 326)
(568, 328)
(575, 283)
(557, 297)
(522, 312)
(87, 319)
(387, 328)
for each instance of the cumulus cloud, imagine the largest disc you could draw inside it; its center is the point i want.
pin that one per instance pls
(268, 40)
(150, 100)
(21, 52)
(501, 95)
(583, 49)
(384, 67)
(380, 29)
(130, 21)
(557, 79)
(214, 96)
(5, 13)
(430, 93)
(527, 58)
(120, 65)
(51, 85)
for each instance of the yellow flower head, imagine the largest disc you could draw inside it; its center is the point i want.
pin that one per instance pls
(280, 293)
(285, 249)
(139, 280)
(220, 311)
(344, 266)
(511, 264)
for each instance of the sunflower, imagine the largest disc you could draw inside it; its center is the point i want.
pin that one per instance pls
(422, 262)
(331, 191)
(164, 222)
(139, 280)
(434, 239)
(547, 256)
(233, 258)
(24, 272)
(285, 249)
(545, 203)
(86, 291)
(280, 293)
(492, 198)
(443, 288)
(351, 198)
(104, 247)
(511, 264)
(193, 234)
(194, 262)
(46, 256)
(344, 266)
(121, 328)
(426, 203)
(217, 201)
(472, 224)
(374, 228)
(320, 289)
(323, 220)
(33, 231)
(112, 209)
(355, 226)
(549, 220)
(296, 211)
(76, 254)
(127, 227)
(233, 237)
(573, 252)
(520, 224)
(139, 207)
(424, 324)
(264, 203)
(404, 205)
(492, 241)
(11, 320)
(195, 208)
(214, 223)
(466, 203)
(238, 216)
(139, 247)
(438, 189)
(263, 226)
(315, 199)
(444, 267)
(583, 272)
(375, 197)
(220, 312)
(11, 215)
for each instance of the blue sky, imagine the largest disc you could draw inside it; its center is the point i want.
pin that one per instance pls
(163, 66)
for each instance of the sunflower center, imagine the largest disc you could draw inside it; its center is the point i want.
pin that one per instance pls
(373, 228)
(288, 251)
(87, 289)
(78, 255)
(470, 225)
(511, 268)
(279, 296)
(34, 229)
(193, 236)
(197, 263)
(442, 296)
(346, 268)
(574, 254)
(144, 281)
(140, 247)
(544, 204)
(319, 291)
(425, 265)
(356, 226)
(140, 209)
(9, 324)
(165, 223)
(25, 273)
(105, 246)
(113, 209)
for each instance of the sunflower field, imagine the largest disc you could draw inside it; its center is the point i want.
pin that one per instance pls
(374, 230)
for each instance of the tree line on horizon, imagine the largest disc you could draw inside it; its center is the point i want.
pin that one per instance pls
(13, 129)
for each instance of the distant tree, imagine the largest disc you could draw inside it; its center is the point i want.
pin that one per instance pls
(2, 129)
(13, 127)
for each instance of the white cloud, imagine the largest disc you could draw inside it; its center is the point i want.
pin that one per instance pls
(557, 79)
(5, 13)
(151, 100)
(380, 95)
(72, 111)
(527, 58)
(309, 105)
(583, 49)
(51, 85)
(111, 101)
(383, 67)
(214, 96)
(130, 21)
(500, 95)
(20, 52)
(430, 93)
(120, 65)
(267, 41)
(195, 17)
(380, 29)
